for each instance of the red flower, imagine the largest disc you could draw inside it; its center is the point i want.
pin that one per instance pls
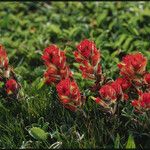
(69, 94)
(135, 103)
(111, 91)
(108, 92)
(122, 85)
(143, 103)
(53, 55)
(132, 65)
(89, 58)
(55, 60)
(85, 48)
(125, 84)
(147, 78)
(3, 58)
(101, 102)
(145, 100)
(11, 86)
(116, 86)
(51, 75)
(125, 96)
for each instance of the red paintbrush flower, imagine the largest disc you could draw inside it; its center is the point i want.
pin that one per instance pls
(147, 78)
(53, 55)
(55, 60)
(111, 91)
(125, 84)
(143, 103)
(132, 65)
(108, 92)
(11, 86)
(89, 58)
(3, 58)
(108, 96)
(69, 94)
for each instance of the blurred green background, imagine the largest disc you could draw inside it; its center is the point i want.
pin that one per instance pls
(26, 28)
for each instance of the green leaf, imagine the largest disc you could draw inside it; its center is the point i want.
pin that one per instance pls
(120, 40)
(41, 121)
(1, 84)
(38, 133)
(45, 126)
(54, 28)
(117, 141)
(101, 17)
(130, 142)
(41, 84)
(127, 43)
(76, 65)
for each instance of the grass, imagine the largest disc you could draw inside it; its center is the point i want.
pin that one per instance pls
(26, 28)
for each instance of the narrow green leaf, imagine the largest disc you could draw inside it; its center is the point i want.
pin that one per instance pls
(117, 141)
(130, 142)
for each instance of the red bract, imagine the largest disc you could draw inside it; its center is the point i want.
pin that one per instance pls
(147, 78)
(143, 103)
(89, 58)
(125, 84)
(116, 86)
(107, 92)
(11, 86)
(55, 60)
(111, 91)
(3, 58)
(53, 55)
(69, 94)
(132, 65)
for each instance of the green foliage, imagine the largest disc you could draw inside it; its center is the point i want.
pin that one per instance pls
(27, 28)
(38, 133)
(117, 142)
(130, 142)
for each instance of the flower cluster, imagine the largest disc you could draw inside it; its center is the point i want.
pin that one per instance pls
(9, 86)
(89, 58)
(55, 61)
(111, 93)
(143, 103)
(69, 94)
(59, 73)
(133, 69)
(133, 66)
(133, 82)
